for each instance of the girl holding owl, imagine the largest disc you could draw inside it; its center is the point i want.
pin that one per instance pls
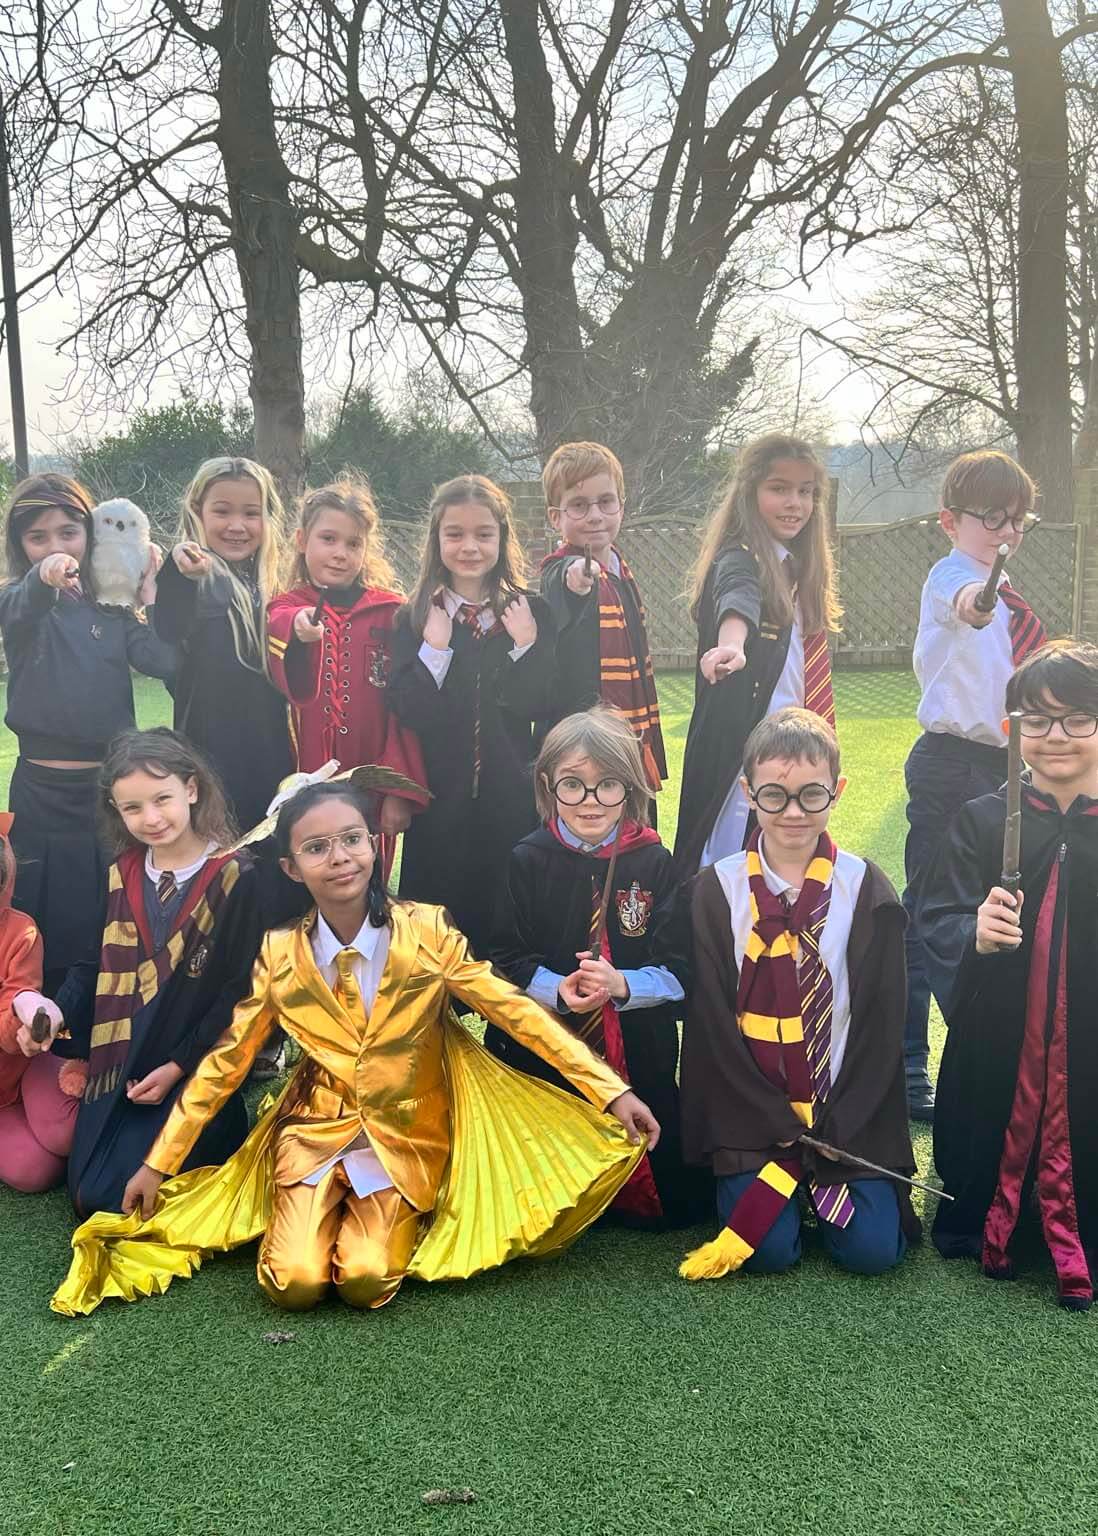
(69, 693)
(330, 639)
(211, 602)
(613, 979)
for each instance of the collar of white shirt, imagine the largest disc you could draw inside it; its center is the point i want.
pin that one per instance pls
(966, 562)
(774, 882)
(569, 837)
(452, 603)
(327, 945)
(181, 875)
(782, 551)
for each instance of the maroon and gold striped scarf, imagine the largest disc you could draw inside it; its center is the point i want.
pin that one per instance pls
(627, 682)
(130, 974)
(768, 1012)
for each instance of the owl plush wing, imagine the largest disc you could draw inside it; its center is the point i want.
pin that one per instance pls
(370, 777)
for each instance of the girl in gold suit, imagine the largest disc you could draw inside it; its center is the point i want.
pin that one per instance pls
(399, 1145)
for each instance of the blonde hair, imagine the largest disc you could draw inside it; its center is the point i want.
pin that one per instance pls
(987, 478)
(354, 498)
(507, 576)
(249, 627)
(736, 520)
(608, 740)
(573, 462)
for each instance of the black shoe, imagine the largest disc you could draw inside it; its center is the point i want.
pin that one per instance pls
(920, 1104)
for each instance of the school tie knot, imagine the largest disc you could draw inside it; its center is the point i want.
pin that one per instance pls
(166, 887)
(469, 615)
(349, 994)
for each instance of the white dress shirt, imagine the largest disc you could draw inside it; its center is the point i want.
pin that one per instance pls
(360, 1162)
(846, 882)
(182, 876)
(728, 830)
(963, 672)
(438, 662)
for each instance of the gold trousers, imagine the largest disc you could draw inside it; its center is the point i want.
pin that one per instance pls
(324, 1234)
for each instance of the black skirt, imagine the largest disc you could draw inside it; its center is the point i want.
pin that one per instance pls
(60, 867)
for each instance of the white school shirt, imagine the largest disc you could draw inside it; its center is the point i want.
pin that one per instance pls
(963, 672)
(182, 876)
(360, 1162)
(438, 662)
(726, 836)
(846, 882)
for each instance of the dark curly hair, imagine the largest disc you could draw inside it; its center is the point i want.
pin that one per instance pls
(378, 900)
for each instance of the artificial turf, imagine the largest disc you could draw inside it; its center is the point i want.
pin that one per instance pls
(596, 1393)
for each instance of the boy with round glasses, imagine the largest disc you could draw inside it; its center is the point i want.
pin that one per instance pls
(963, 658)
(795, 1024)
(613, 980)
(1016, 1135)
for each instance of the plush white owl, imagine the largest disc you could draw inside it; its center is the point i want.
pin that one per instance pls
(120, 553)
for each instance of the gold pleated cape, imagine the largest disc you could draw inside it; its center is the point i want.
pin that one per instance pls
(530, 1168)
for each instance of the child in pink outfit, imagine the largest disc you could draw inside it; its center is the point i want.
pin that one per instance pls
(39, 1094)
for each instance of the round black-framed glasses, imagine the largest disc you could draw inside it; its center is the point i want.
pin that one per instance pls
(773, 798)
(572, 791)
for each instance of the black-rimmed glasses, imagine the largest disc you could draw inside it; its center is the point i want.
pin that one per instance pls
(773, 798)
(572, 791)
(1077, 725)
(995, 519)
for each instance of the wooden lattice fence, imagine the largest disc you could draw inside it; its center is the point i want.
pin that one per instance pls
(881, 574)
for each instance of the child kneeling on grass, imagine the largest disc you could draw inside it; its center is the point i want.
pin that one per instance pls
(796, 1025)
(395, 1114)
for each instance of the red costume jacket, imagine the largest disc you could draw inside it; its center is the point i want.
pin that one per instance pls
(337, 688)
(20, 971)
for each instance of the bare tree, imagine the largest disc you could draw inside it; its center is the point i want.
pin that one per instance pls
(509, 188)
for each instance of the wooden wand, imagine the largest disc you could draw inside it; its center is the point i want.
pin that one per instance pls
(607, 890)
(1011, 877)
(319, 609)
(587, 561)
(863, 1162)
(986, 600)
(40, 1026)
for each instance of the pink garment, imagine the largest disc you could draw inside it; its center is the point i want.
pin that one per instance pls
(36, 1130)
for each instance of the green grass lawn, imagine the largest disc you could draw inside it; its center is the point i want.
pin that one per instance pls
(597, 1393)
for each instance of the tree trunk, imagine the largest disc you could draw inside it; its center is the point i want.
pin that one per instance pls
(264, 237)
(546, 238)
(1044, 387)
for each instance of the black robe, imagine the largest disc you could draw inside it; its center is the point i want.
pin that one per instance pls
(734, 1119)
(456, 851)
(236, 716)
(181, 1022)
(544, 918)
(984, 1000)
(579, 663)
(725, 713)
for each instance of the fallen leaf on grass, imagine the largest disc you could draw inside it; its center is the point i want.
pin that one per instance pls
(68, 1466)
(449, 1496)
(276, 1336)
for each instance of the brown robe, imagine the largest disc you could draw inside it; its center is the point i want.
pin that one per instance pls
(732, 1118)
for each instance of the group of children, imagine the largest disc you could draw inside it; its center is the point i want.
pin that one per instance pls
(149, 957)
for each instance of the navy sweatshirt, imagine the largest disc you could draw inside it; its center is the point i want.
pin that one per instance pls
(69, 661)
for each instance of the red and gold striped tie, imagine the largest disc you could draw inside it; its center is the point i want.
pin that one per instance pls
(819, 696)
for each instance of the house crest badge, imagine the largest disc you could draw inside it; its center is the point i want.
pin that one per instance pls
(634, 910)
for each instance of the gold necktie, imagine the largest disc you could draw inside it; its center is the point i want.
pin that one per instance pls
(347, 987)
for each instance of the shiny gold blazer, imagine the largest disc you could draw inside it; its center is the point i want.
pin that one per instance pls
(383, 1074)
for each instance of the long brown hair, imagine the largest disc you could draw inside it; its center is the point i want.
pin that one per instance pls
(162, 753)
(736, 520)
(507, 576)
(354, 498)
(32, 497)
